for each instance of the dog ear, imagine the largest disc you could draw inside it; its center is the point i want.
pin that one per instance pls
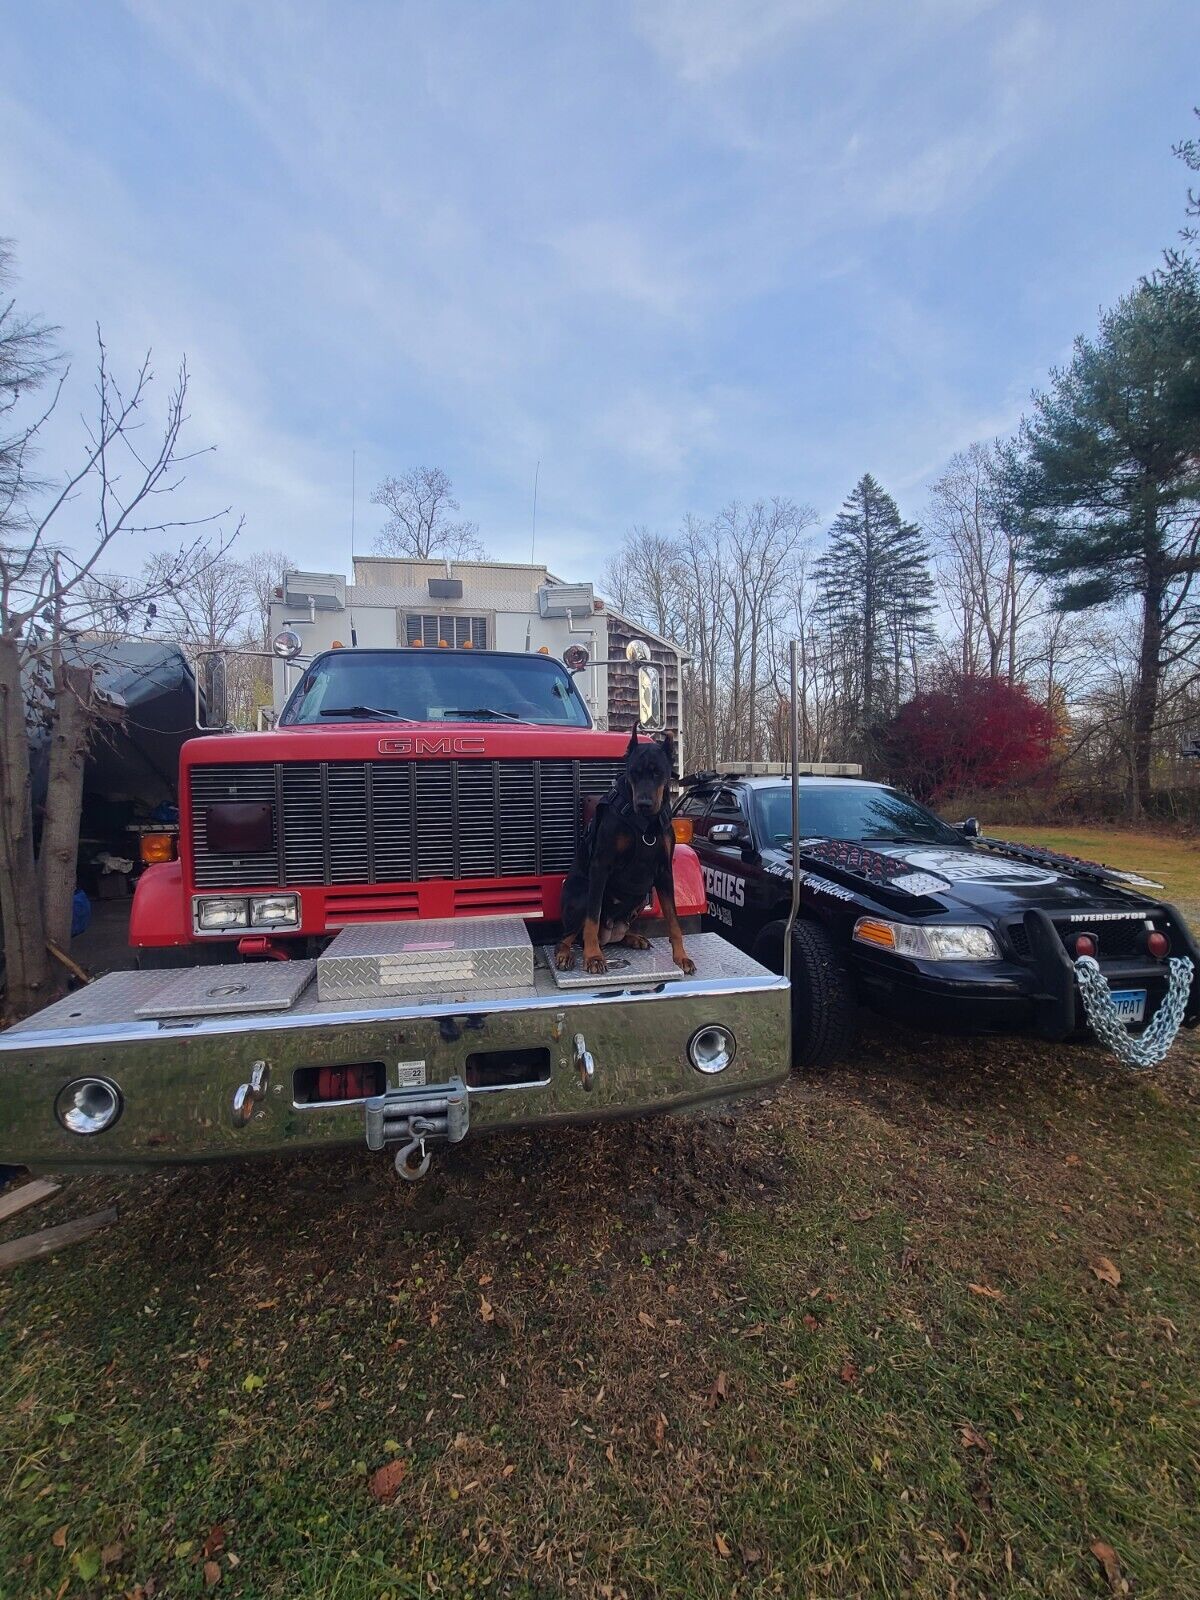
(668, 749)
(633, 739)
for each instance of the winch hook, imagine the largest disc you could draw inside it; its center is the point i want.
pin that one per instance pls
(406, 1166)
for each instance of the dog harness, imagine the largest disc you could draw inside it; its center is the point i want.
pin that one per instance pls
(619, 798)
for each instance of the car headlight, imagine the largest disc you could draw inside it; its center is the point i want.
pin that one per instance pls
(275, 911)
(213, 915)
(937, 942)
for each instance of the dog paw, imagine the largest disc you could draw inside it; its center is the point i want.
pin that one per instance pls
(564, 960)
(636, 941)
(596, 964)
(684, 962)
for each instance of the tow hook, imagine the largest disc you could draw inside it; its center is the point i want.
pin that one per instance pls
(413, 1116)
(584, 1065)
(247, 1095)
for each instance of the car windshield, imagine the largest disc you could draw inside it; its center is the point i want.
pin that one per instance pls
(435, 686)
(860, 812)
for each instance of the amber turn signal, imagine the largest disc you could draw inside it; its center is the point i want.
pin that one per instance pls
(682, 827)
(157, 847)
(868, 931)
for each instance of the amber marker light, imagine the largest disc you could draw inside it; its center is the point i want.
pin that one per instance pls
(155, 848)
(869, 931)
(682, 827)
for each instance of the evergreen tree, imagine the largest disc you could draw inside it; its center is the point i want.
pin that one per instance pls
(876, 596)
(1108, 482)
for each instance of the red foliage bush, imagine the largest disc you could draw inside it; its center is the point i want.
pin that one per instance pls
(969, 733)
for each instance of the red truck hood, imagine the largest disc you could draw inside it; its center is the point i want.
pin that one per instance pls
(432, 741)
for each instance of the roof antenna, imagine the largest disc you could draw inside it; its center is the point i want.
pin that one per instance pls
(533, 535)
(353, 573)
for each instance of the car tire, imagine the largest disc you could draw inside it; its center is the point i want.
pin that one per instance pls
(825, 1015)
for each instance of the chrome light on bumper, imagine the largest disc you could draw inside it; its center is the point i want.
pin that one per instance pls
(711, 1049)
(937, 942)
(89, 1105)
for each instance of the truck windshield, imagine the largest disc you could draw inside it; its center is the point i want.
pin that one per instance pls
(859, 812)
(435, 686)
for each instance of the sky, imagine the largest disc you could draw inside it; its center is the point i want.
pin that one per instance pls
(678, 252)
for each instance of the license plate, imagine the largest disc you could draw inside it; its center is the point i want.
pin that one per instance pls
(1130, 1004)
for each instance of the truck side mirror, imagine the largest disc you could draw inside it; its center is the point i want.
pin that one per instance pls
(969, 829)
(650, 706)
(212, 691)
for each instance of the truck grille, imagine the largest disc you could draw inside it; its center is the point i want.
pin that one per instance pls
(1116, 941)
(349, 822)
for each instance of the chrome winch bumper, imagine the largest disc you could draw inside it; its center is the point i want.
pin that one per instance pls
(406, 1073)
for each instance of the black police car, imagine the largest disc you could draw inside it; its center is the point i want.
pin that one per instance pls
(912, 918)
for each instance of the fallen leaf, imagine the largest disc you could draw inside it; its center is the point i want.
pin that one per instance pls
(204, 1362)
(212, 1574)
(111, 1553)
(252, 1381)
(719, 1390)
(645, 1320)
(972, 1438)
(660, 1429)
(1107, 1271)
(265, 1305)
(1110, 1565)
(849, 1372)
(724, 1548)
(87, 1563)
(59, 1537)
(485, 1280)
(487, 1310)
(750, 1556)
(985, 1291)
(387, 1479)
(1070, 1161)
(810, 1322)
(215, 1542)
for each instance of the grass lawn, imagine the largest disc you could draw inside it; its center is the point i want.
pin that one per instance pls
(859, 1340)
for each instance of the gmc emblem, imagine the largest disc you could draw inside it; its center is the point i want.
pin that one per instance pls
(420, 745)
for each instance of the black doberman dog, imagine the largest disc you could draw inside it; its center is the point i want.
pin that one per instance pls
(626, 850)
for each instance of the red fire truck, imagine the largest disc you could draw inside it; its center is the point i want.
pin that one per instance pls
(352, 944)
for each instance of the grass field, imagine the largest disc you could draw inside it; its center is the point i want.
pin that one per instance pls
(863, 1339)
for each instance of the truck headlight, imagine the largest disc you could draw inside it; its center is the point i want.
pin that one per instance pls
(275, 911)
(89, 1105)
(213, 915)
(937, 942)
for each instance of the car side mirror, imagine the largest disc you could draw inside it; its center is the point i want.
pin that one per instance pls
(969, 829)
(726, 833)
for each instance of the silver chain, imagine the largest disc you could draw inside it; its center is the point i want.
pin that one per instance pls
(1151, 1045)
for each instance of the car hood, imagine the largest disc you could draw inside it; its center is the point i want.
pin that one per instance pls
(968, 878)
(958, 879)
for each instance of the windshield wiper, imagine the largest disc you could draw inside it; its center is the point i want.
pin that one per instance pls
(385, 713)
(483, 711)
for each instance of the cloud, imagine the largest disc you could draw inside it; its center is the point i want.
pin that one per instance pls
(705, 40)
(610, 258)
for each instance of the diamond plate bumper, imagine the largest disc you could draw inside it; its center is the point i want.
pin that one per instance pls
(178, 1078)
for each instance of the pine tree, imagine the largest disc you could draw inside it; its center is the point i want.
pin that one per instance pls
(1108, 482)
(876, 598)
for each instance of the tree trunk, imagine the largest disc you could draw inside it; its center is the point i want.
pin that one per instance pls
(26, 962)
(1145, 695)
(64, 800)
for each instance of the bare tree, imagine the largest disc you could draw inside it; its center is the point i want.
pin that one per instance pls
(48, 597)
(265, 570)
(421, 518)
